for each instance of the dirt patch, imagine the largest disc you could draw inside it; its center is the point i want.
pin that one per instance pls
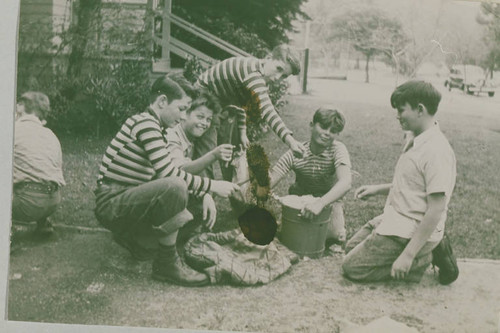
(84, 278)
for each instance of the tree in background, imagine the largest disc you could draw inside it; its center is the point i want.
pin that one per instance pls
(491, 19)
(86, 16)
(372, 32)
(255, 26)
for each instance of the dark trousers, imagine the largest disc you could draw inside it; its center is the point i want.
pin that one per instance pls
(29, 205)
(136, 210)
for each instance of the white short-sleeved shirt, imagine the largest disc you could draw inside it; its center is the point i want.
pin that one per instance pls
(179, 146)
(429, 166)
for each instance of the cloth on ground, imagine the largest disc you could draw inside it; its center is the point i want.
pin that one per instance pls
(228, 257)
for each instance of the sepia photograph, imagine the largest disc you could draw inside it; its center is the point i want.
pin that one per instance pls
(251, 166)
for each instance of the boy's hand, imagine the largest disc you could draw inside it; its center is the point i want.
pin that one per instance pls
(245, 143)
(312, 209)
(365, 191)
(209, 211)
(401, 267)
(224, 152)
(297, 148)
(223, 188)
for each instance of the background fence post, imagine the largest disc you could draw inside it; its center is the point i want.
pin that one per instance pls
(304, 70)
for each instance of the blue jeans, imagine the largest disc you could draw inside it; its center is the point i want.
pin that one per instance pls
(370, 256)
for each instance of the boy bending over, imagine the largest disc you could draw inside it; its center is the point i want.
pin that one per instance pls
(409, 235)
(324, 171)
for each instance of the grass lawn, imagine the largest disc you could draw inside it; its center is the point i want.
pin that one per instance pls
(373, 138)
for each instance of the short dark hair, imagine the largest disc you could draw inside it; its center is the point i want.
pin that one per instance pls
(286, 54)
(36, 103)
(329, 118)
(166, 86)
(415, 92)
(183, 82)
(207, 99)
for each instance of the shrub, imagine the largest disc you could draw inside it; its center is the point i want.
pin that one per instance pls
(97, 102)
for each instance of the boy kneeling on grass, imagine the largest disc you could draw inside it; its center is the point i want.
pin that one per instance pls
(409, 235)
(324, 171)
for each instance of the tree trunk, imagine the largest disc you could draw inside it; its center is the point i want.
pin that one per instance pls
(86, 12)
(396, 63)
(367, 68)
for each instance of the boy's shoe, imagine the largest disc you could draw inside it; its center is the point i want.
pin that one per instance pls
(333, 241)
(137, 251)
(443, 258)
(168, 267)
(44, 228)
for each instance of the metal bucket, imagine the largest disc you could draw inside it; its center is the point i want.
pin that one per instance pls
(306, 237)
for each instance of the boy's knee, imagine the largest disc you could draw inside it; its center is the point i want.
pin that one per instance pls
(175, 186)
(347, 266)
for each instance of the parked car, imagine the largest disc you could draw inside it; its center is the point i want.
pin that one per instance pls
(470, 79)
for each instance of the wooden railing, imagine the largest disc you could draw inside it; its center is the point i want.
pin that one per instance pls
(170, 44)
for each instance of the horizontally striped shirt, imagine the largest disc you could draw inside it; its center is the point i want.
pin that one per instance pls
(238, 81)
(314, 174)
(138, 154)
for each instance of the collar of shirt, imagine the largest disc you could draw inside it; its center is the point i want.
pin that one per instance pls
(426, 135)
(30, 117)
(308, 152)
(153, 113)
(260, 67)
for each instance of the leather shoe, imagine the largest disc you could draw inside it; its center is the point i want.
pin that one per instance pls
(443, 258)
(177, 272)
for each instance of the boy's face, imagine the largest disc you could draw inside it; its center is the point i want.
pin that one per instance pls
(174, 112)
(198, 121)
(322, 136)
(409, 118)
(275, 70)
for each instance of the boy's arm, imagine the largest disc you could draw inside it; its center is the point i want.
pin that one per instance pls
(282, 167)
(436, 206)
(341, 187)
(259, 91)
(365, 191)
(149, 136)
(198, 165)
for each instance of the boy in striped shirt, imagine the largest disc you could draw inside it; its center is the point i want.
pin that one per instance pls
(324, 171)
(242, 82)
(140, 190)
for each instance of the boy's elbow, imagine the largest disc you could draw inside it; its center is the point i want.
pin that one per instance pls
(348, 185)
